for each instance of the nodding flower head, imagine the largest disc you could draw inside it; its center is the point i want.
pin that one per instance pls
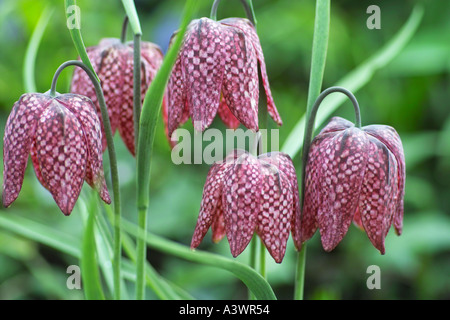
(355, 175)
(63, 136)
(113, 62)
(217, 72)
(245, 194)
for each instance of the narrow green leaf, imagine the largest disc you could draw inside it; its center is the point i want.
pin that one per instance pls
(356, 79)
(88, 262)
(133, 17)
(73, 17)
(32, 48)
(252, 279)
(147, 127)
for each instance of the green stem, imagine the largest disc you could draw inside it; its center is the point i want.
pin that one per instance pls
(151, 109)
(123, 34)
(300, 274)
(262, 260)
(318, 60)
(252, 262)
(136, 86)
(248, 6)
(113, 164)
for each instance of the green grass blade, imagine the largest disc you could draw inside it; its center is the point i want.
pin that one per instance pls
(147, 127)
(356, 79)
(252, 279)
(88, 262)
(132, 15)
(75, 31)
(41, 233)
(29, 81)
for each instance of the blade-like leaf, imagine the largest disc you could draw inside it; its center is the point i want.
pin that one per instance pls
(252, 279)
(72, 10)
(32, 48)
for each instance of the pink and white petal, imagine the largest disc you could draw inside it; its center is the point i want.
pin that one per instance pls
(247, 27)
(108, 65)
(391, 139)
(313, 193)
(341, 175)
(240, 82)
(176, 99)
(336, 124)
(377, 193)
(62, 154)
(227, 116)
(211, 199)
(284, 163)
(218, 225)
(274, 219)
(241, 201)
(17, 141)
(203, 69)
(152, 54)
(84, 110)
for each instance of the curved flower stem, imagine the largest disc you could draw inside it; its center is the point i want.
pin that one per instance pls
(123, 34)
(248, 6)
(310, 125)
(113, 164)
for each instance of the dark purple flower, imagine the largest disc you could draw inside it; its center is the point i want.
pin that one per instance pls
(245, 194)
(63, 136)
(353, 175)
(113, 62)
(217, 72)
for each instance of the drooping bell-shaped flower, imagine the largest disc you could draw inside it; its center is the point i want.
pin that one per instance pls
(355, 175)
(245, 194)
(63, 136)
(217, 72)
(113, 62)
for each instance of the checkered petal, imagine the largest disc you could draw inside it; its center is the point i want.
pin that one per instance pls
(390, 138)
(284, 163)
(378, 191)
(227, 116)
(202, 63)
(276, 211)
(240, 83)
(84, 110)
(336, 124)
(211, 207)
(17, 141)
(342, 167)
(177, 108)
(241, 201)
(108, 64)
(247, 27)
(61, 154)
(211, 202)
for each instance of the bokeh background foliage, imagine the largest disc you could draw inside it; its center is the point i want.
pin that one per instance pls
(411, 93)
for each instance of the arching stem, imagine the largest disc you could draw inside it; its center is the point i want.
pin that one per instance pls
(247, 4)
(113, 164)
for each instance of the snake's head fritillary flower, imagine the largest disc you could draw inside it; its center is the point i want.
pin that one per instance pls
(354, 175)
(217, 72)
(63, 136)
(113, 62)
(245, 194)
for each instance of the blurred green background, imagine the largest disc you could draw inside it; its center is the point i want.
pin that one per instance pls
(410, 94)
